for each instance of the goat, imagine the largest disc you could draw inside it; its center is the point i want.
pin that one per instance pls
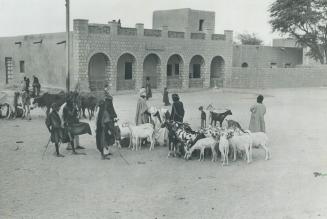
(233, 124)
(121, 132)
(139, 132)
(260, 139)
(201, 145)
(224, 147)
(219, 117)
(240, 143)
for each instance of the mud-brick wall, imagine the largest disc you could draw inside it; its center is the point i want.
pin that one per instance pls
(278, 77)
(44, 55)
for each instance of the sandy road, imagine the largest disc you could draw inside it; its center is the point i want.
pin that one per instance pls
(154, 186)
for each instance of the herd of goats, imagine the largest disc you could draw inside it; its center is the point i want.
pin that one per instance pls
(182, 140)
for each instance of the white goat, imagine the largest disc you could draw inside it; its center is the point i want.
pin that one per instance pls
(241, 143)
(201, 145)
(124, 132)
(224, 147)
(140, 132)
(260, 139)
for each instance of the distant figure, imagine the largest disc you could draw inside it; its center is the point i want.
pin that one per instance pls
(257, 121)
(142, 115)
(36, 86)
(165, 97)
(177, 109)
(27, 81)
(53, 122)
(203, 117)
(148, 88)
(23, 85)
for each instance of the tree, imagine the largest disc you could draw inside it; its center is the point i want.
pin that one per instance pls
(304, 20)
(249, 39)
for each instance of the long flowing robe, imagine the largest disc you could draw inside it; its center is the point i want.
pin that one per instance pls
(257, 121)
(148, 90)
(177, 111)
(105, 130)
(141, 108)
(166, 98)
(72, 124)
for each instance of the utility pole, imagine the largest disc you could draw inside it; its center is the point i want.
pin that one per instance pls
(67, 47)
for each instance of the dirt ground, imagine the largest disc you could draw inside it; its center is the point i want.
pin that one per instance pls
(154, 186)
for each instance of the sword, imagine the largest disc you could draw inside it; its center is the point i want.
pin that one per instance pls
(46, 147)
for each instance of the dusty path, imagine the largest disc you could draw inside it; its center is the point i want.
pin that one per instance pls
(154, 186)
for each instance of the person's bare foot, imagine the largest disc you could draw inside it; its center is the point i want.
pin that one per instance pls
(80, 147)
(105, 157)
(78, 153)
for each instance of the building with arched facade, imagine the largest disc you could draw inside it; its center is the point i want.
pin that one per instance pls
(180, 51)
(183, 54)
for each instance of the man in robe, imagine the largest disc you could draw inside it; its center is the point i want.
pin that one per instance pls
(142, 115)
(36, 86)
(72, 124)
(177, 109)
(148, 88)
(53, 122)
(105, 124)
(257, 121)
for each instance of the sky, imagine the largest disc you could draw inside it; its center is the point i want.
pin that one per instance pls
(21, 17)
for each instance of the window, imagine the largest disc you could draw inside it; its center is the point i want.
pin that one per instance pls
(176, 69)
(273, 65)
(169, 70)
(22, 66)
(128, 70)
(196, 70)
(288, 65)
(9, 69)
(245, 65)
(201, 25)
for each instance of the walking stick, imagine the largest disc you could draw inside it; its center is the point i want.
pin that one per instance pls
(122, 157)
(46, 147)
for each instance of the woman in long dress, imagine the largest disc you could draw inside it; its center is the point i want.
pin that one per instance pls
(257, 121)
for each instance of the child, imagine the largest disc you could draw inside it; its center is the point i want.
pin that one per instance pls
(203, 117)
(165, 97)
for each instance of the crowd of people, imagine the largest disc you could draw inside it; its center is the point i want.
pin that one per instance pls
(106, 118)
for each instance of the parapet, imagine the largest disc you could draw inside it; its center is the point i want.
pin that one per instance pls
(114, 28)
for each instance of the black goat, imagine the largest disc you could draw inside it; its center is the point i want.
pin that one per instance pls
(219, 117)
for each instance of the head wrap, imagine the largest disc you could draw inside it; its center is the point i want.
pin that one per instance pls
(142, 92)
(175, 97)
(54, 106)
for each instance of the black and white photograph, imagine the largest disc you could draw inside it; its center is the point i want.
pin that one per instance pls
(163, 109)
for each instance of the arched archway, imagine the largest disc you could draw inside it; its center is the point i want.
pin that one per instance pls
(196, 71)
(217, 70)
(99, 67)
(126, 67)
(151, 69)
(175, 69)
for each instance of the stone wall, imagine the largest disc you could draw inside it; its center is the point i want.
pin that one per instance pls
(278, 77)
(135, 42)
